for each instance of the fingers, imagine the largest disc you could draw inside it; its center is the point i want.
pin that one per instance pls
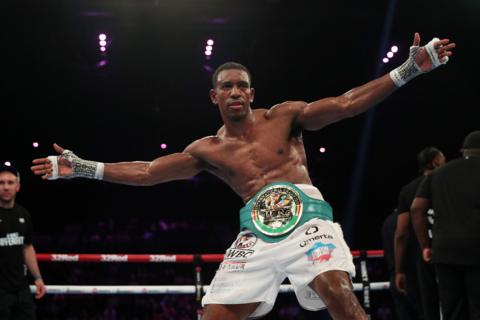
(42, 167)
(416, 39)
(58, 148)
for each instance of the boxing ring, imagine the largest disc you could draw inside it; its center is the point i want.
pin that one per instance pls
(197, 289)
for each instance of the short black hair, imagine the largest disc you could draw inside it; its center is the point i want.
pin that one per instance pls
(11, 169)
(426, 157)
(472, 140)
(229, 66)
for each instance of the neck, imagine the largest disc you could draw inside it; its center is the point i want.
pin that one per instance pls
(471, 152)
(238, 128)
(7, 204)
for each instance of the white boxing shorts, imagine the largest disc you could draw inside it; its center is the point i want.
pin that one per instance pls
(253, 270)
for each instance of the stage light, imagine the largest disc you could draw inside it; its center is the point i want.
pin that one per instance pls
(389, 54)
(394, 49)
(209, 48)
(35, 144)
(322, 150)
(208, 53)
(8, 163)
(102, 43)
(210, 42)
(385, 60)
(103, 49)
(102, 37)
(163, 146)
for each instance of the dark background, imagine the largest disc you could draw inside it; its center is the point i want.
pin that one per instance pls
(154, 89)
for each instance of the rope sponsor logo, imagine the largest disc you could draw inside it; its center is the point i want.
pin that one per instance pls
(114, 257)
(162, 258)
(320, 252)
(65, 257)
(11, 239)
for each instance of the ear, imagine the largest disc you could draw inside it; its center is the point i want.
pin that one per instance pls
(18, 187)
(252, 94)
(213, 96)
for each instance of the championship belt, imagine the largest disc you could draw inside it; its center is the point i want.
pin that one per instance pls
(280, 207)
(277, 210)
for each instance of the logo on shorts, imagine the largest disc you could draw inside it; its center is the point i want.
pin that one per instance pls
(277, 210)
(245, 241)
(232, 266)
(320, 252)
(315, 238)
(311, 230)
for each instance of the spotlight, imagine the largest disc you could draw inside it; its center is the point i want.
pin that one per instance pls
(163, 146)
(389, 54)
(385, 60)
(322, 150)
(35, 144)
(210, 42)
(102, 37)
(8, 163)
(394, 49)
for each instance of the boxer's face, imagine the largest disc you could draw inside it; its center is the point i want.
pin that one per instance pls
(233, 94)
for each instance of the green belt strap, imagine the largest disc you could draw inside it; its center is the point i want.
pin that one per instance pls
(312, 208)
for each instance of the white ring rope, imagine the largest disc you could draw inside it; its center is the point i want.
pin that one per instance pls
(185, 289)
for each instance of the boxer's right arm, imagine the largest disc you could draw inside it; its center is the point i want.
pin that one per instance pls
(175, 166)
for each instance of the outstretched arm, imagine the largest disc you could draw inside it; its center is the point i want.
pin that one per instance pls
(318, 114)
(175, 166)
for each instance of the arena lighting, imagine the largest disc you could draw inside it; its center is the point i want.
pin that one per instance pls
(35, 144)
(163, 146)
(209, 48)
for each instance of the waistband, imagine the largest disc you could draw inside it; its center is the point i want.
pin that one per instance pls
(312, 208)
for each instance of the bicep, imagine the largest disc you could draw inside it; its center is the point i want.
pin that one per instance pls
(420, 205)
(320, 113)
(403, 221)
(175, 166)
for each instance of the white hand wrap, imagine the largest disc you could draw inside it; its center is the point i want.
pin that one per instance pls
(433, 54)
(80, 168)
(409, 69)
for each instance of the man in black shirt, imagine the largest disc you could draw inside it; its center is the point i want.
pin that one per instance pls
(16, 252)
(453, 192)
(421, 294)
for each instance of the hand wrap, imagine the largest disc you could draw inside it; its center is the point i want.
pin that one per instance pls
(409, 69)
(80, 168)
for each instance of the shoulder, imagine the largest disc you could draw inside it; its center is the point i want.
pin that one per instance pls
(201, 146)
(21, 210)
(286, 108)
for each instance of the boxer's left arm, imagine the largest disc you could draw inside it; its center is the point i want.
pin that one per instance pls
(318, 114)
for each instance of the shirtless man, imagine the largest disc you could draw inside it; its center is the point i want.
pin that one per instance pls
(287, 227)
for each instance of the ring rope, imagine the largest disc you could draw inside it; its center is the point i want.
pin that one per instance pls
(170, 289)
